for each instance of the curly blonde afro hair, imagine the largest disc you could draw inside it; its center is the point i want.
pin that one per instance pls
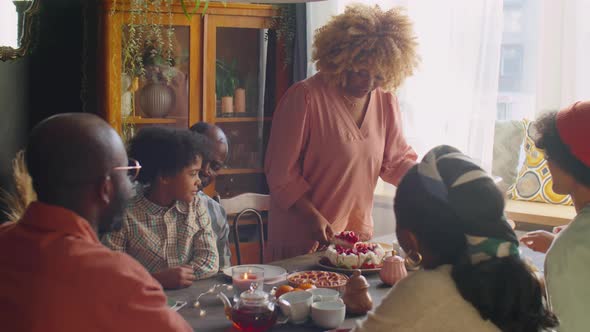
(367, 38)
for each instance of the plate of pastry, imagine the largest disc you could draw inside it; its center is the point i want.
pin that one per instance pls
(320, 279)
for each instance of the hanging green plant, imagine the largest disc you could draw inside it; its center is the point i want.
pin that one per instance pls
(146, 36)
(197, 3)
(285, 28)
(148, 44)
(146, 29)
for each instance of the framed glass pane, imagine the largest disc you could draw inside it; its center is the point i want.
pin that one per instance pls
(155, 76)
(240, 72)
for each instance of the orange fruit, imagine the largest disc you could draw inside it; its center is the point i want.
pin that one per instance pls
(305, 286)
(283, 289)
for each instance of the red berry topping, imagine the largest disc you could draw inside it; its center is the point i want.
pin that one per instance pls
(348, 236)
(365, 247)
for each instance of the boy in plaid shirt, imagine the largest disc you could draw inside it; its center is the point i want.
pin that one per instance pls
(167, 227)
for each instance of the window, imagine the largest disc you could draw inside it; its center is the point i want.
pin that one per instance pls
(8, 24)
(518, 58)
(511, 67)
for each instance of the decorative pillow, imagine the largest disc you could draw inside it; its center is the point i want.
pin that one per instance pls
(508, 139)
(534, 181)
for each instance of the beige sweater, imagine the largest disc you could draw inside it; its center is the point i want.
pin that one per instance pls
(425, 301)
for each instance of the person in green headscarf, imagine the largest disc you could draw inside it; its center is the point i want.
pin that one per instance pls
(450, 222)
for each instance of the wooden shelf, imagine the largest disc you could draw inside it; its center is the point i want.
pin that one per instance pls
(141, 120)
(227, 171)
(244, 119)
(177, 118)
(539, 213)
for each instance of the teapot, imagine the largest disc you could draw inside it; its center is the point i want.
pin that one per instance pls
(254, 311)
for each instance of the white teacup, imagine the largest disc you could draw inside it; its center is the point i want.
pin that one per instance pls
(324, 294)
(328, 315)
(300, 304)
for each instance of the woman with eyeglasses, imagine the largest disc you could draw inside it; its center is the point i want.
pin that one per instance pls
(450, 222)
(167, 227)
(334, 134)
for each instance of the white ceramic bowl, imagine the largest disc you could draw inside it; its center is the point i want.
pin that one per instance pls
(328, 315)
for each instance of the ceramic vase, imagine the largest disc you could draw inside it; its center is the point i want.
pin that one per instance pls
(157, 100)
(240, 100)
(126, 96)
(227, 104)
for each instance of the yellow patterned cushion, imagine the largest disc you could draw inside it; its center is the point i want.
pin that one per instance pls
(534, 181)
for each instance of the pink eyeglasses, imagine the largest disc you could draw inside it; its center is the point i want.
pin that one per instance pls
(132, 169)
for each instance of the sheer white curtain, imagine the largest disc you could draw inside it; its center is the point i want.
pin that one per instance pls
(564, 45)
(452, 98)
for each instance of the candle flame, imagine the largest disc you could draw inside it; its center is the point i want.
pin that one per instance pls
(245, 275)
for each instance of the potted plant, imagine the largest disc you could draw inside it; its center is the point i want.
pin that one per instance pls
(226, 82)
(157, 96)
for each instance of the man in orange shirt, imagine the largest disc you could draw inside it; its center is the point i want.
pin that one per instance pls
(56, 275)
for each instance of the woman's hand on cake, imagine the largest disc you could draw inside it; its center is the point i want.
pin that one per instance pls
(314, 248)
(321, 229)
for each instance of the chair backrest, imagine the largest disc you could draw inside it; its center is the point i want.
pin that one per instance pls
(247, 204)
(240, 202)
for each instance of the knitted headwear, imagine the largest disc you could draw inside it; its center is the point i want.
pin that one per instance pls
(573, 126)
(453, 179)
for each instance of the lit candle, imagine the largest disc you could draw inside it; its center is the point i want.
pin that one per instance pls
(244, 281)
(243, 277)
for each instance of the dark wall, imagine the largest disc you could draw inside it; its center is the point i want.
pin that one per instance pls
(58, 76)
(63, 65)
(13, 116)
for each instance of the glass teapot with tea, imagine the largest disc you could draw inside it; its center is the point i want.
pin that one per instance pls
(254, 311)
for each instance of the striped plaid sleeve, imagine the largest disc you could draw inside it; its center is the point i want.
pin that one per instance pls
(205, 260)
(116, 240)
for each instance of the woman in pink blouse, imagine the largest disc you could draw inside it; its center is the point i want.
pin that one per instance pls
(336, 132)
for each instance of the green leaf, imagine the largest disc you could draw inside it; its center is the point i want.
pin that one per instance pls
(205, 8)
(190, 14)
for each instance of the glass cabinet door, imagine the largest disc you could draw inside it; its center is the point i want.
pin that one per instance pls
(237, 90)
(155, 79)
(152, 67)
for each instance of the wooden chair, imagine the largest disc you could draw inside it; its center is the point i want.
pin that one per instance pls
(247, 204)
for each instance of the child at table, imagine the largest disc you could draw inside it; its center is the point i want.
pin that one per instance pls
(450, 221)
(167, 227)
(565, 137)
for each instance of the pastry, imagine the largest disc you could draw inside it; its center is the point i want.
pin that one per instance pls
(363, 255)
(346, 239)
(321, 279)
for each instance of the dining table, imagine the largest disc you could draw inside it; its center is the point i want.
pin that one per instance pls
(210, 315)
